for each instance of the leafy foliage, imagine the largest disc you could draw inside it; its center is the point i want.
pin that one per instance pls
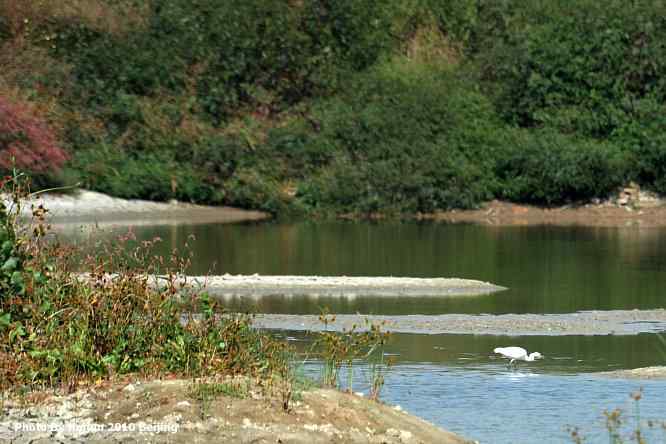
(26, 142)
(406, 141)
(644, 140)
(154, 176)
(12, 262)
(547, 168)
(548, 74)
(349, 106)
(365, 342)
(258, 53)
(59, 328)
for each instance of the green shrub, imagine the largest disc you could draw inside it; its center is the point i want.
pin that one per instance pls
(260, 53)
(362, 105)
(60, 329)
(405, 140)
(149, 176)
(477, 25)
(579, 69)
(650, 159)
(271, 54)
(18, 273)
(249, 188)
(644, 140)
(292, 143)
(457, 18)
(12, 260)
(547, 168)
(357, 31)
(213, 170)
(242, 173)
(106, 65)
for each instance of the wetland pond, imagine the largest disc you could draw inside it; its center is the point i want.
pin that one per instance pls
(454, 380)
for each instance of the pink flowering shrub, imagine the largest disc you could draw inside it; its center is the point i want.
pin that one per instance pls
(26, 142)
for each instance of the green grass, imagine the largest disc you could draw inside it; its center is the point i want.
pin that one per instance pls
(211, 390)
(205, 393)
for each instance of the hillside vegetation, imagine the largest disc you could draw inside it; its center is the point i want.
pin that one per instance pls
(345, 106)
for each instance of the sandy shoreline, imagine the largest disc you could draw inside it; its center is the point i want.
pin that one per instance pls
(643, 210)
(88, 207)
(616, 322)
(257, 286)
(650, 214)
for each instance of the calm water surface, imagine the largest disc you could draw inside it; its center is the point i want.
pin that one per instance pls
(547, 269)
(494, 405)
(453, 380)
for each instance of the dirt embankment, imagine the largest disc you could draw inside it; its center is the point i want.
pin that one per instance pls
(168, 411)
(648, 211)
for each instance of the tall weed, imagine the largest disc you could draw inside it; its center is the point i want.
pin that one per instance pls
(58, 327)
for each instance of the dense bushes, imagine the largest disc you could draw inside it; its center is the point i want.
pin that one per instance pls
(405, 140)
(650, 158)
(218, 170)
(547, 168)
(144, 176)
(644, 138)
(594, 71)
(352, 105)
(583, 69)
(12, 262)
(267, 54)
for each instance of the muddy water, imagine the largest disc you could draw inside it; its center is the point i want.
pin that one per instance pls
(453, 380)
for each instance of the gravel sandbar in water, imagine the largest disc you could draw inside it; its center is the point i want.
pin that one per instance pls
(615, 322)
(257, 285)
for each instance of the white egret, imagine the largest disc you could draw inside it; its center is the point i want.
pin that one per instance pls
(517, 354)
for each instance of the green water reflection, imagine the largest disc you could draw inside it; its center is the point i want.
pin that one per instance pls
(548, 269)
